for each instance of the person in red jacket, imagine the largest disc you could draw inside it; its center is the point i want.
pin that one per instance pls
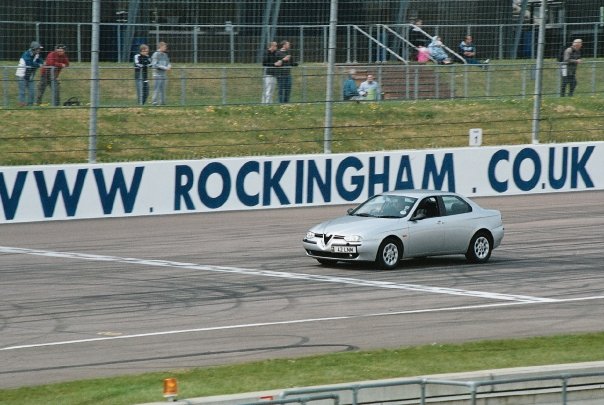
(49, 74)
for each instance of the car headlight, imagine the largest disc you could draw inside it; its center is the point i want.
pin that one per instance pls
(353, 238)
(310, 235)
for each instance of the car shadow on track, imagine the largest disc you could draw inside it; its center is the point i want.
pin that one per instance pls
(408, 264)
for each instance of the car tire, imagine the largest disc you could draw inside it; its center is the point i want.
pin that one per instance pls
(389, 254)
(480, 248)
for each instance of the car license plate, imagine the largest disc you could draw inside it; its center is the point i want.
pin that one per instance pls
(344, 249)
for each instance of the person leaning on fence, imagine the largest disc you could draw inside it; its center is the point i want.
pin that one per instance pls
(568, 67)
(269, 81)
(160, 62)
(49, 74)
(141, 78)
(29, 63)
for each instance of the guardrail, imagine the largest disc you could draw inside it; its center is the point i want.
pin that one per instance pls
(581, 383)
(432, 390)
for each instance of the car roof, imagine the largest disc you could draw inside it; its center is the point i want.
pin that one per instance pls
(418, 193)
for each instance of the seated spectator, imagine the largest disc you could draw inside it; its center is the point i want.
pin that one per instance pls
(423, 54)
(350, 91)
(438, 53)
(467, 50)
(370, 90)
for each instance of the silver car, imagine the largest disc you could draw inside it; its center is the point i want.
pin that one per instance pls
(395, 225)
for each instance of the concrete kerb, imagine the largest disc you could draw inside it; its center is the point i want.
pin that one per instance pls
(406, 389)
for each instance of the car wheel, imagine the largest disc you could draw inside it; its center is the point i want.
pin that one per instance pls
(389, 254)
(480, 248)
(326, 262)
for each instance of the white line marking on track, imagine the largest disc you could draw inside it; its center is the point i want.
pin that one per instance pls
(279, 274)
(510, 299)
(291, 322)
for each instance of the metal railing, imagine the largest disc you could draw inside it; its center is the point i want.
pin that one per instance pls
(242, 84)
(471, 390)
(232, 43)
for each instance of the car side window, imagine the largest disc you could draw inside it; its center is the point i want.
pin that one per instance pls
(455, 205)
(428, 206)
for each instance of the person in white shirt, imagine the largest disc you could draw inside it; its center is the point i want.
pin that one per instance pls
(370, 89)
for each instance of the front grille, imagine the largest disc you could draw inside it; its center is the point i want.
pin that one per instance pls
(330, 255)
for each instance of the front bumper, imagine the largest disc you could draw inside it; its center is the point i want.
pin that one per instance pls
(364, 251)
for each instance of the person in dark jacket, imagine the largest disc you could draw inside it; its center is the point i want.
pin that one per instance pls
(49, 74)
(284, 64)
(350, 90)
(467, 50)
(568, 67)
(29, 63)
(269, 80)
(141, 77)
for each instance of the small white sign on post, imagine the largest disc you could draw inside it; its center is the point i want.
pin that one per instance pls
(475, 136)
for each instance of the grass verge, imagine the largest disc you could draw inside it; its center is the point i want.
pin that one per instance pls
(315, 370)
(46, 135)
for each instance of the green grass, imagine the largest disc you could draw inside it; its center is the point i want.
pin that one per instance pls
(218, 117)
(316, 370)
(48, 135)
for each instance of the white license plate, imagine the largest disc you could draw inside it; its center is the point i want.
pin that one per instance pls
(344, 249)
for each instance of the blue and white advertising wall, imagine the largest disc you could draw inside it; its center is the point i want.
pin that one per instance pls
(58, 192)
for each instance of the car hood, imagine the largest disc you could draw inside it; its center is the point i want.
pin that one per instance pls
(355, 225)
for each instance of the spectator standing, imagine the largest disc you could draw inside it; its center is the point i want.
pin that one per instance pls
(284, 64)
(160, 62)
(269, 80)
(49, 74)
(416, 36)
(419, 40)
(350, 91)
(568, 67)
(370, 89)
(141, 78)
(29, 63)
(437, 51)
(467, 50)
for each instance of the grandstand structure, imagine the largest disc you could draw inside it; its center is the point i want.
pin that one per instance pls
(236, 31)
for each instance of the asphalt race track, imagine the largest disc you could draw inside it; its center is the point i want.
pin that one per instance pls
(94, 298)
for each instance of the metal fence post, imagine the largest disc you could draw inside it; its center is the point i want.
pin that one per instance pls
(183, 87)
(79, 42)
(301, 45)
(422, 399)
(195, 43)
(564, 390)
(304, 84)
(5, 84)
(224, 85)
(596, 34)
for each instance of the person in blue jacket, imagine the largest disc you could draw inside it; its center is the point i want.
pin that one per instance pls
(29, 63)
(350, 90)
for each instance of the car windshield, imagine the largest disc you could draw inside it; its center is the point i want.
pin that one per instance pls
(385, 206)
